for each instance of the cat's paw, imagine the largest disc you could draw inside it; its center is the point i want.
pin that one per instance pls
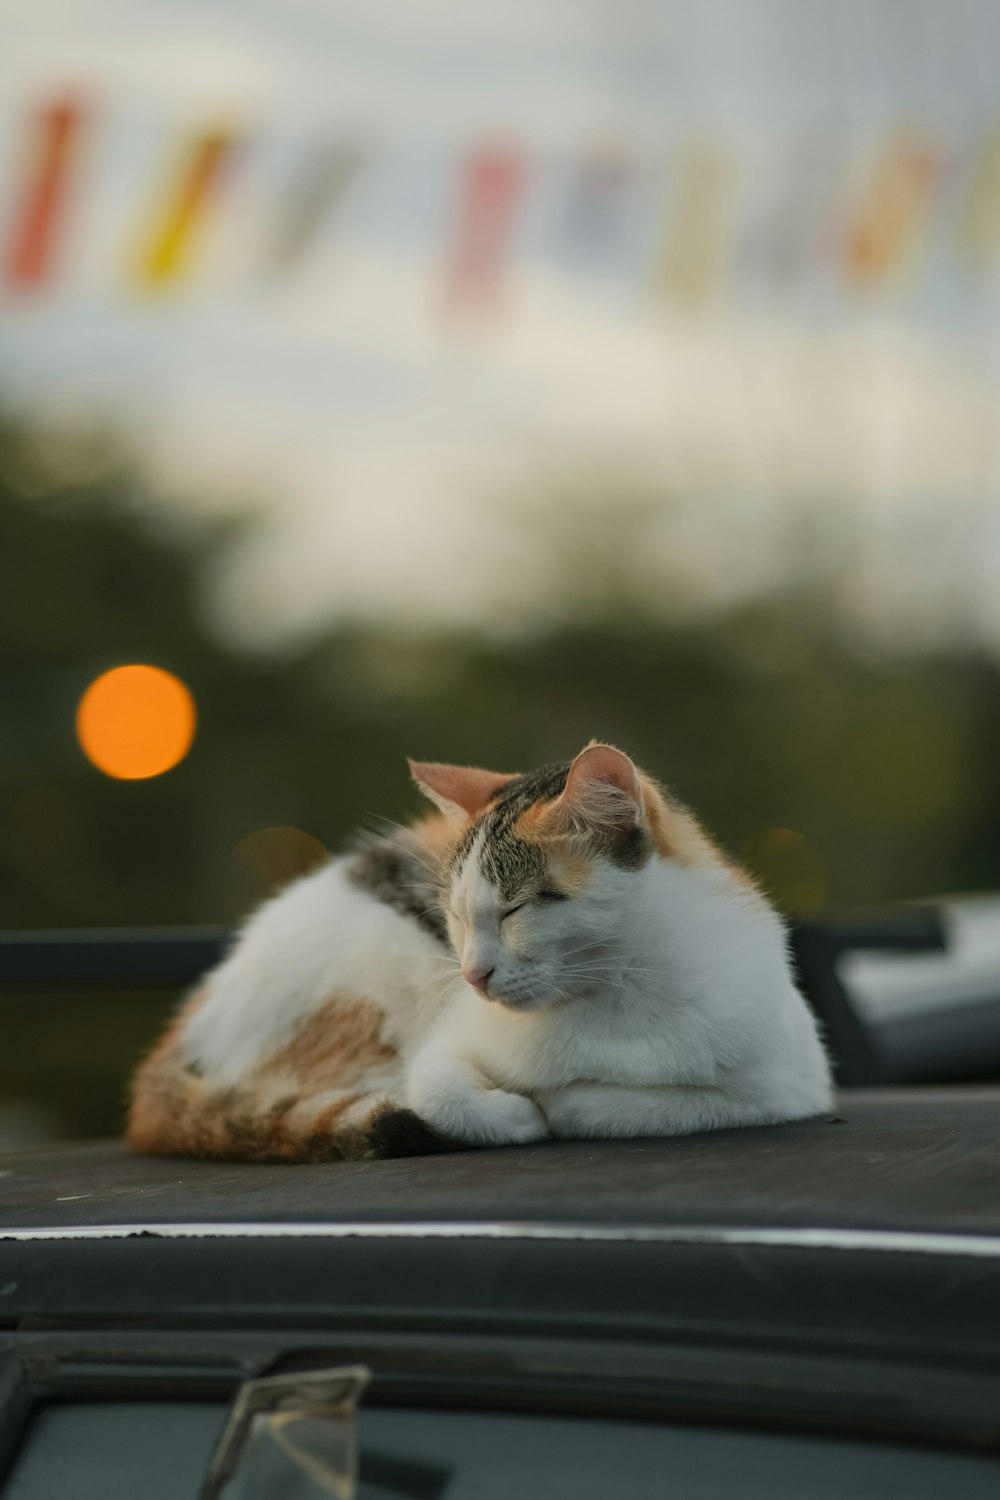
(566, 1113)
(392, 1131)
(502, 1119)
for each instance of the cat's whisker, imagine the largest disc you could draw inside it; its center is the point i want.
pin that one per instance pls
(562, 997)
(592, 965)
(621, 967)
(605, 980)
(597, 966)
(450, 971)
(427, 911)
(585, 947)
(434, 868)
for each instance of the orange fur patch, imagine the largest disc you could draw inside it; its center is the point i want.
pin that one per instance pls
(531, 823)
(329, 1115)
(149, 1115)
(288, 1110)
(437, 834)
(570, 865)
(572, 868)
(334, 1047)
(677, 834)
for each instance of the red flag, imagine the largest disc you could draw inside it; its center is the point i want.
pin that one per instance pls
(491, 192)
(42, 202)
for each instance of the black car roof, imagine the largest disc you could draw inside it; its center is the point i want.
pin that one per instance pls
(841, 1277)
(916, 1161)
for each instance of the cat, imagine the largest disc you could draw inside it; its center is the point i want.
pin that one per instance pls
(558, 954)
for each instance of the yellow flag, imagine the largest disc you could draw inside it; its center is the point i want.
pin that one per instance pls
(695, 243)
(165, 253)
(979, 224)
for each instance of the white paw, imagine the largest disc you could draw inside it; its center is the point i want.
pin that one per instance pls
(501, 1119)
(563, 1114)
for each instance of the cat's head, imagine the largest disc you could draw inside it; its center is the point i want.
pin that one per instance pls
(542, 877)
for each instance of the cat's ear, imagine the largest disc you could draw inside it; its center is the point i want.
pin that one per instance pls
(602, 791)
(459, 791)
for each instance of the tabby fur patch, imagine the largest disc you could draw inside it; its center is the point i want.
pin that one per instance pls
(512, 863)
(399, 877)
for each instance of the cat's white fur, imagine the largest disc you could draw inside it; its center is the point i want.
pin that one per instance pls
(658, 1002)
(321, 936)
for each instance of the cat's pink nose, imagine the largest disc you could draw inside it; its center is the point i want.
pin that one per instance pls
(478, 978)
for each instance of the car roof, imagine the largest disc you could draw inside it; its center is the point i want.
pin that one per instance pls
(843, 1276)
(914, 1161)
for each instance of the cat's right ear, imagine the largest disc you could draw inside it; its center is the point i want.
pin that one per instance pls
(602, 791)
(459, 791)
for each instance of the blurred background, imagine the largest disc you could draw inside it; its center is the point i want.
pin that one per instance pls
(465, 381)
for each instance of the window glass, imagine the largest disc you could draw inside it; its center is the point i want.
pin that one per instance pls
(160, 1451)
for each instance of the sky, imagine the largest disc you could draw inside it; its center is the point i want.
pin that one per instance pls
(743, 290)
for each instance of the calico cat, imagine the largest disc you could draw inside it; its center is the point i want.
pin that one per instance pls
(563, 953)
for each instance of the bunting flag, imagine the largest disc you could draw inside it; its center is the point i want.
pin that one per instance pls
(979, 222)
(166, 252)
(694, 246)
(884, 240)
(593, 210)
(325, 172)
(792, 229)
(40, 208)
(489, 199)
(789, 237)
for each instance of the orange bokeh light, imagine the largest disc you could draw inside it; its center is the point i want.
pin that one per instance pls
(136, 721)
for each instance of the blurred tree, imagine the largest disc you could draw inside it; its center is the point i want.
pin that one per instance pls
(841, 778)
(764, 719)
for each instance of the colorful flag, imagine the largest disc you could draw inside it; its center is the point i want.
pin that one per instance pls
(321, 178)
(41, 205)
(883, 242)
(696, 239)
(166, 252)
(489, 199)
(593, 208)
(979, 223)
(789, 239)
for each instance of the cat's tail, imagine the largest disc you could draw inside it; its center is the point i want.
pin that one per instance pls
(176, 1111)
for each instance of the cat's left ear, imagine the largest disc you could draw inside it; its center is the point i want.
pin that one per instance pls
(602, 791)
(459, 791)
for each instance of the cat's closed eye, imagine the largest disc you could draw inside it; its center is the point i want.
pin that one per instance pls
(539, 896)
